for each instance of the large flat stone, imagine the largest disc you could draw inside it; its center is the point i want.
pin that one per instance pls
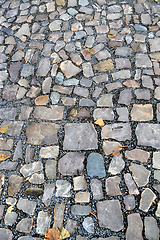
(148, 134)
(110, 215)
(69, 69)
(42, 133)
(135, 227)
(80, 136)
(118, 131)
(53, 113)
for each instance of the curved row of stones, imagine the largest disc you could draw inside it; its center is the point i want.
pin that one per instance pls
(64, 65)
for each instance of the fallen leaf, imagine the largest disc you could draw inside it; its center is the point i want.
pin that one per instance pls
(3, 156)
(153, 201)
(74, 112)
(4, 129)
(93, 215)
(10, 209)
(116, 152)
(111, 35)
(52, 234)
(99, 122)
(64, 234)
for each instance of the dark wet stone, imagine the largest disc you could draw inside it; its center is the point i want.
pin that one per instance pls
(80, 210)
(140, 174)
(125, 97)
(88, 225)
(117, 131)
(15, 184)
(59, 215)
(48, 192)
(151, 228)
(33, 192)
(96, 188)
(14, 71)
(9, 92)
(42, 133)
(110, 215)
(8, 113)
(132, 188)
(78, 136)
(26, 206)
(25, 225)
(8, 165)
(71, 226)
(71, 164)
(6, 234)
(75, 113)
(129, 201)
(95, 165)
(135, 227)
(148, 134)
(112, 186)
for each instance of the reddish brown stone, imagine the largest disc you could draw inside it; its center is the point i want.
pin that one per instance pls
(137, 154)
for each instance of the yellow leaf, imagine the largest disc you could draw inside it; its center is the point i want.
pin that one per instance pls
(116, 152)
(4, 129)
(99, 122)
(3, 156)
(10, 209)
(74, 112)
(64, 234)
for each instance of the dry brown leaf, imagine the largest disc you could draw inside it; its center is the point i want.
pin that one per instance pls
(111, 35)
(99, 122)
(52, 234)
(4, 129)
(3, 156)
(116, 152)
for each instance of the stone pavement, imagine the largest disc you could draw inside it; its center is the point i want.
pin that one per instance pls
(79, 119)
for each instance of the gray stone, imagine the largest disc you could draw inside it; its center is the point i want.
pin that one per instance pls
(59, 215)
(158, 210)
(157, 175)
(88, 225)
(44, 66)
(129, 201)
(140, 28)
(14, 70)
(71, 164)
(8, 113)
(63, 188)
(104, 113)
(116, 165)
(100, 78)
(123, 74)
(29, 156)
(110, 215)
(123, 51)
(79, 183)
(8, 165)
(2, 207)
(85, 102)
(122, 63)
(46, 85)
(112, 186)
(42, 133)
(147, 82)
(125, 97)
(18, 153)
(142, 94)
(154, 44)
(43, 222)
(26, 206)
(37, 178)
(96, 188)
(147, 197)
(117, 131)
(71, 226)
(80, 210)
(6, 234)
(49, 152)
(10, 218)
(29, 169)
(55, 25)
(55, 97)
(15, 184)
(142, 61)
(156, 160)
(27, 70)
(25, 225)
(80, 136)
(95, 165)
(123, 114)
(69, 69)
(135, 227)
(148, 134)
(140, 174)
(151, 228)
(48, 193)
(105, 101)
(51, 169)
(14, 128)
(132, 188)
